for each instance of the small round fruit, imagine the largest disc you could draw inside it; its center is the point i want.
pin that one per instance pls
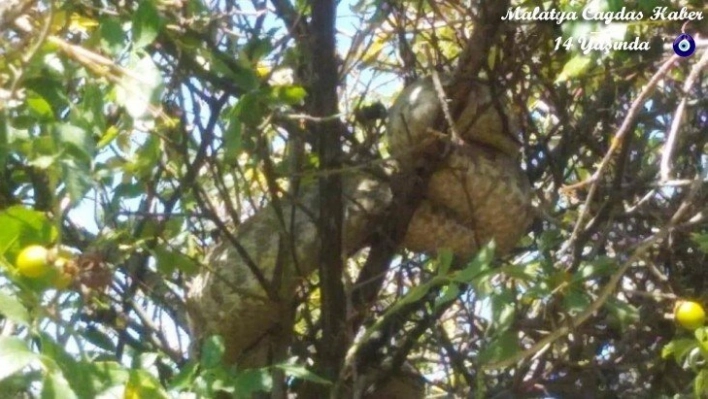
(690, 315)
(33, 261)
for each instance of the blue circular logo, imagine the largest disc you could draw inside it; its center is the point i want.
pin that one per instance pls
(684, 45)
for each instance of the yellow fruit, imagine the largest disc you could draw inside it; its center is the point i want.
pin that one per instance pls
(690, 315)
(33, 261)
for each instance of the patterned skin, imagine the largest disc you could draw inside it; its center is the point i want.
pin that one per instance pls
(479, 193)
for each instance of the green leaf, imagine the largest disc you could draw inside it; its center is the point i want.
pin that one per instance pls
(140, 89)
(250, 109)
(679, 348)
(86, 378)
(238, 69)
(244, 77)
(112, 35)
(111, 133)
(232, 140)
(146, 24)
(503, 347)
(77, 179)
(98, 338)
(290, 95)
(3, 138)
(40, 107)
(575, 302)
(700, 384)
(77, 373)
(694, 359)
(148, 156)
(77, 140)
(614, 5)
(257, 48)
(185, 377)
(528, 273)
(57, 387)
(53, 94)
(107, 374)
(212, 351)
(701, 335)
(479, 265)
(22, 227)
(169, 259)
(301, 372)
(173, 228)
(626, 314)
(445, 257)
(90, 114)
(450, 293)
(574, 68)
(550, 239)
(503, 310)
(702, 240)
(44, 145)
(16, 385)
(142, 384)
(253, 380)
(14, 356)
(415, 294)
(599, 267)
(13, 309)
(44, 162)
(128, 191)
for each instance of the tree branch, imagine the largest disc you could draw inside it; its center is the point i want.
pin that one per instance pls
(328, 135)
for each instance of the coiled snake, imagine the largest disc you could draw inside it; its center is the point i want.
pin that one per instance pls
(479, 193)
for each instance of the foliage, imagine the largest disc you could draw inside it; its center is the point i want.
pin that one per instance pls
(134, 135)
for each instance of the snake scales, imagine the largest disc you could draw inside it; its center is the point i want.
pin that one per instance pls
(479, 193)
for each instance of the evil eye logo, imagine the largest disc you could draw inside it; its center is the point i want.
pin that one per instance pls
(684, 45)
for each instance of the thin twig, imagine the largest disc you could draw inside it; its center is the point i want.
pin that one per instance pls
(442, 97)
(608, 289)
(665, 165)
(32, 52)
(623, 131)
